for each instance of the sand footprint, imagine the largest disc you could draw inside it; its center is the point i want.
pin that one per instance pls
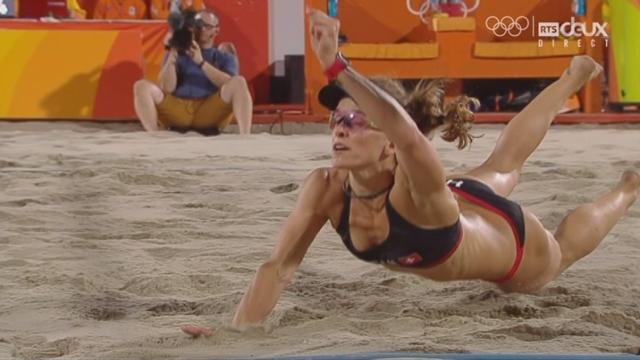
(527, 332)
(522, 311)
(296, 315)
(615, 321)
(13, 263)
(148, 179)
(7, 163)
(21, 202)
(106, 314)
(45, 349)
(281, 189)
(175, 307)
(568, 301)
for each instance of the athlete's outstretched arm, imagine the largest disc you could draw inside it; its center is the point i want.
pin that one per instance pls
(416, 156)
(297, 234)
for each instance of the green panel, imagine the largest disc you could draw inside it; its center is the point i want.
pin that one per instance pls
(625, 40)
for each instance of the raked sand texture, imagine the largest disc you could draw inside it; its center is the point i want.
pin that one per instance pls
(111, 240)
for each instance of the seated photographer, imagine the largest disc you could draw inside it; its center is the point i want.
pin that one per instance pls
(199, 86)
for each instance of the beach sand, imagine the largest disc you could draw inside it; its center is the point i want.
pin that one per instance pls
(111, 239)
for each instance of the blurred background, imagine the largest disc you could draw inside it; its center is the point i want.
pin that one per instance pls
(78, 59)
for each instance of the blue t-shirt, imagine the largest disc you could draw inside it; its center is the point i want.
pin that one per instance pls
(193, 83)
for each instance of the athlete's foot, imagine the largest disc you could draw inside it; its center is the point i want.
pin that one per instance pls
(196, 331)
(630, 182)
(583, 68)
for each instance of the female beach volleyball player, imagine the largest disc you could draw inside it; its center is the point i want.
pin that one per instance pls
(388, 196)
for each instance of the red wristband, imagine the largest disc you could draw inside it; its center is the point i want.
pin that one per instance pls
(338, 66)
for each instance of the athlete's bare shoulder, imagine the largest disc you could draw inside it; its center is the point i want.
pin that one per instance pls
(329, 176)
(328, 181)
(328, 192)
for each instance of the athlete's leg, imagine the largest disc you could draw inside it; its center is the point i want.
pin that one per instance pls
(586, 226)
(526, 130)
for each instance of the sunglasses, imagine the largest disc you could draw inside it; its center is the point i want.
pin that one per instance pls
(352, 120)
(210, 26)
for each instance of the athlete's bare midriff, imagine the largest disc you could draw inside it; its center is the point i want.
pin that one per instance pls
(487, 250)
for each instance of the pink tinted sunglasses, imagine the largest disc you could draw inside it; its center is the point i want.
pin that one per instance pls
(352, 120)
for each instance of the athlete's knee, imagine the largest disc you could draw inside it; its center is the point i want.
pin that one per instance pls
(504, 164)
(580, 222)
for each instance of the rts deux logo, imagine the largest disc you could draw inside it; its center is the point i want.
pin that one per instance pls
(515, 26)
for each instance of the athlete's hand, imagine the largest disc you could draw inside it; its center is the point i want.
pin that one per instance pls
(196, 331)
(324, 36)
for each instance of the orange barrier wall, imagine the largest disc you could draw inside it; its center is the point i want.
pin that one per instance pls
(45, 74)
(76, 70)
(246, 24)
(380, 21)
(383, 21)
(88, 6)
(151, 34)
(109, 74)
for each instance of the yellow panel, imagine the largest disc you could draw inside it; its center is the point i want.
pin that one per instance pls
(63, 62)
(442, 24)
(391, 51)
(17, 48)
(528, 49)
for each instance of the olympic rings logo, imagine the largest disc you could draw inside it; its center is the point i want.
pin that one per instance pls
(507, 25)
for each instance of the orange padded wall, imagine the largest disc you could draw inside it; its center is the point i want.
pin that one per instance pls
(383, 21)
(246, 24)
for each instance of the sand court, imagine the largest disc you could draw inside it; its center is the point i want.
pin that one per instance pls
(112, 239)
